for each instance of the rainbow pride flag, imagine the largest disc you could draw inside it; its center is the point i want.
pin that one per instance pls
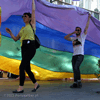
(53, 22)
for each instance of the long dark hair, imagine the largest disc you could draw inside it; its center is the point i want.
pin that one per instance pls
(29, 14)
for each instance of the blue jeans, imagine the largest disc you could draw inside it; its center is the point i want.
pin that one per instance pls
(76, 62)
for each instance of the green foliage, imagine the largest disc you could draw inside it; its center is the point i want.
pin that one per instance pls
(96, 15)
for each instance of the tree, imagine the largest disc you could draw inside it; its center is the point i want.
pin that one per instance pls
(96, 15)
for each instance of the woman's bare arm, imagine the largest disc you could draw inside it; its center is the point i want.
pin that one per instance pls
(33, 14)
(11, 34)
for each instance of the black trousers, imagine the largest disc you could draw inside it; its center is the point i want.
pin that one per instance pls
(76, 62)
(28, 51)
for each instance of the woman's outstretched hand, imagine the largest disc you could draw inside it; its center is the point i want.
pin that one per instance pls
(8, 30)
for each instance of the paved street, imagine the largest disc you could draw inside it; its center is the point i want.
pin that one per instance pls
(49, 90)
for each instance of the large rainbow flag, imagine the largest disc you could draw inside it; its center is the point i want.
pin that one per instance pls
(53, 22)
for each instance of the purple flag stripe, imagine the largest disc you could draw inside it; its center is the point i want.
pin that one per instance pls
(63, 18)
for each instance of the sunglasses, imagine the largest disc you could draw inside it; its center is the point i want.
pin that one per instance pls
(24, 16)
(77, 30)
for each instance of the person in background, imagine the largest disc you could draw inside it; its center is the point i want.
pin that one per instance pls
(78, 55)
(1, 73)
(28, 49)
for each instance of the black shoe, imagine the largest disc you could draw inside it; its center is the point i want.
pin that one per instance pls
(97, 91)
(18, 91)
(79, 84)
(74, 85)
(34, 90)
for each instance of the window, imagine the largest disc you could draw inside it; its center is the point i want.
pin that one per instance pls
(99, 3)
(87, 4)
(81, 3)
(68, 1)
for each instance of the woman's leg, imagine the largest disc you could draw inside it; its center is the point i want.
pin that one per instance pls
(27, 54)
(23, 65)
(30, 74)
(21, 70)
(18, 78)
(31, 54)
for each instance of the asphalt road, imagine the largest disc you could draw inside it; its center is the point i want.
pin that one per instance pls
(49, 90)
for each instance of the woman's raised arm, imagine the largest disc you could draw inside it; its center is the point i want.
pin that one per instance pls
(33, 14)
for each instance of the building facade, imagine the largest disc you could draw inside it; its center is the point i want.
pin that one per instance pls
(87, 4)
(92, 5)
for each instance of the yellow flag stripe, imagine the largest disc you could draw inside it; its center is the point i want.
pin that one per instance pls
(12, 65)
